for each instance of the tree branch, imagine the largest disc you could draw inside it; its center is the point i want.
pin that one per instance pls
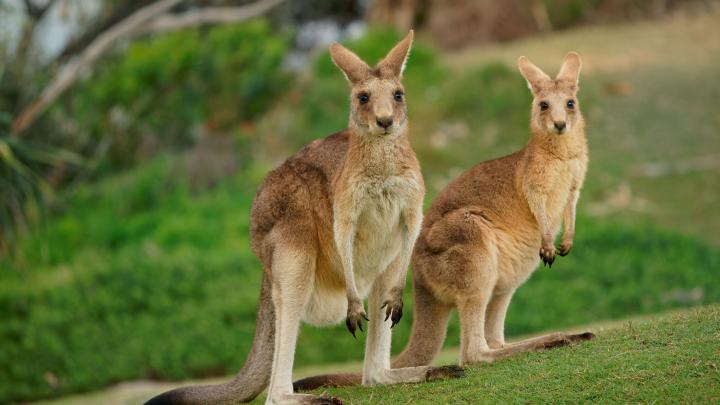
(113, 16)
(70, 72)
(209, 15)
(145, 20)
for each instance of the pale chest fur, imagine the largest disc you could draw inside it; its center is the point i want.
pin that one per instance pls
(552, 180)
(380, 204)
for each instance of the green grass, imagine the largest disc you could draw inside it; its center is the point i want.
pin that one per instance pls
(667, 358)
(673, 359)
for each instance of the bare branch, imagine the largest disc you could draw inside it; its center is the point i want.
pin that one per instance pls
(70, 72)
(114, 16)
(209, 15)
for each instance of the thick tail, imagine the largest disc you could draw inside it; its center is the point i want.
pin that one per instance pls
(250, 381)
(428, 334)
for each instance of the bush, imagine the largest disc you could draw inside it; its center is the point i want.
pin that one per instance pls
(159, 91)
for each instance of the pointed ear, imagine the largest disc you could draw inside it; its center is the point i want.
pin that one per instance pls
(352, 66)
(570, 69)
(394, 62)
(534, 76)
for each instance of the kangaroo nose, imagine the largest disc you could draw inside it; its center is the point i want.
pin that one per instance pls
(560, 126)
(385, 122)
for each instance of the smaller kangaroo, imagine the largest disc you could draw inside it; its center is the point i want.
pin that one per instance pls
(487, 231)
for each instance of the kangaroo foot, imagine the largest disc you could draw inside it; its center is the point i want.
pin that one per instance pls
(444, 373)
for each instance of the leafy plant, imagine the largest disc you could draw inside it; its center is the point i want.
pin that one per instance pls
(23, 189)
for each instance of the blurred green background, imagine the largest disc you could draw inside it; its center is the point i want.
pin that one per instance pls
(124, 206)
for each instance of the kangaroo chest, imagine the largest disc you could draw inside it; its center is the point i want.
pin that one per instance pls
(561, 179)
(378, 236)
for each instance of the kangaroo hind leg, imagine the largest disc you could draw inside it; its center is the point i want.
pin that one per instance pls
(376, 367)
(292, 269)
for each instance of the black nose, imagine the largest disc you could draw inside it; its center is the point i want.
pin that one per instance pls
(385, 122)
(560, 125)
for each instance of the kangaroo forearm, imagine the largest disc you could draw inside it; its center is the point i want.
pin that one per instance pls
(412, 223)
(569, 216)
(344, 240)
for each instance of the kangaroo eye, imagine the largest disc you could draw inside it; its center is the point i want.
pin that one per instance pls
(571, 104)
(363, 97)
(544, 106)
(399, 95)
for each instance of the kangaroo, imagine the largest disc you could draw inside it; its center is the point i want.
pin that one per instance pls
(334, 223)
(487, 231)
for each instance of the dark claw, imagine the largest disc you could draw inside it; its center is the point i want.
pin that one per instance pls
(581, 336)
(563, 250)
(397, 314)
(351, 326)
(359, 323)
(393, 312)
(366, 318)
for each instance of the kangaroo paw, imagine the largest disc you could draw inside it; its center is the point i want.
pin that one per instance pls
(393, 311)
(355, 315)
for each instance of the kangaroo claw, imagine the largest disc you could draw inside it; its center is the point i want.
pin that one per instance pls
(393, 311)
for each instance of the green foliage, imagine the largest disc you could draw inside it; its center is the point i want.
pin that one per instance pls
(171, 84)
(666, 360)
(23, 191)
(566, 13)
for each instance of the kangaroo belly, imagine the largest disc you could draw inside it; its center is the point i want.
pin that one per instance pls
(378, 241)
(325, 307)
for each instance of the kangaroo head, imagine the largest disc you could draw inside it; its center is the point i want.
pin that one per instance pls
(555, 109)
(377, 98)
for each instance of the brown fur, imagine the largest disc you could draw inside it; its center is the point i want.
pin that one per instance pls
(482, 236)
(335, 222)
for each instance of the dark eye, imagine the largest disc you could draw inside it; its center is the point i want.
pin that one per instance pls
(571, 104)
(399, 95)
(363, 97)
(544, 106)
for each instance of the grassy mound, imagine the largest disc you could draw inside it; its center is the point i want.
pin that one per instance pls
(670, 360)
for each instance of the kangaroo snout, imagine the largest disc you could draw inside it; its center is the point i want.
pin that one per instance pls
(560, 126)
(384, 122)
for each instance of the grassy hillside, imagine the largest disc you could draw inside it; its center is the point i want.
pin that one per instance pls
(670, 360)
(139, 273)
(667, 358)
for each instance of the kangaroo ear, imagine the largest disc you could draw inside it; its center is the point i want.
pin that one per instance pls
(534, 76)
(394, 62)
(570, 69)
(352, 66)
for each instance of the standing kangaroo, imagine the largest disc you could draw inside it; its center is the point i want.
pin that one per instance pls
(481, 237)
(335, 222)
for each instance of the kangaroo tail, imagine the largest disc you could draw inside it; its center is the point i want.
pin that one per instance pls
(428, 334)
(250, 381)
